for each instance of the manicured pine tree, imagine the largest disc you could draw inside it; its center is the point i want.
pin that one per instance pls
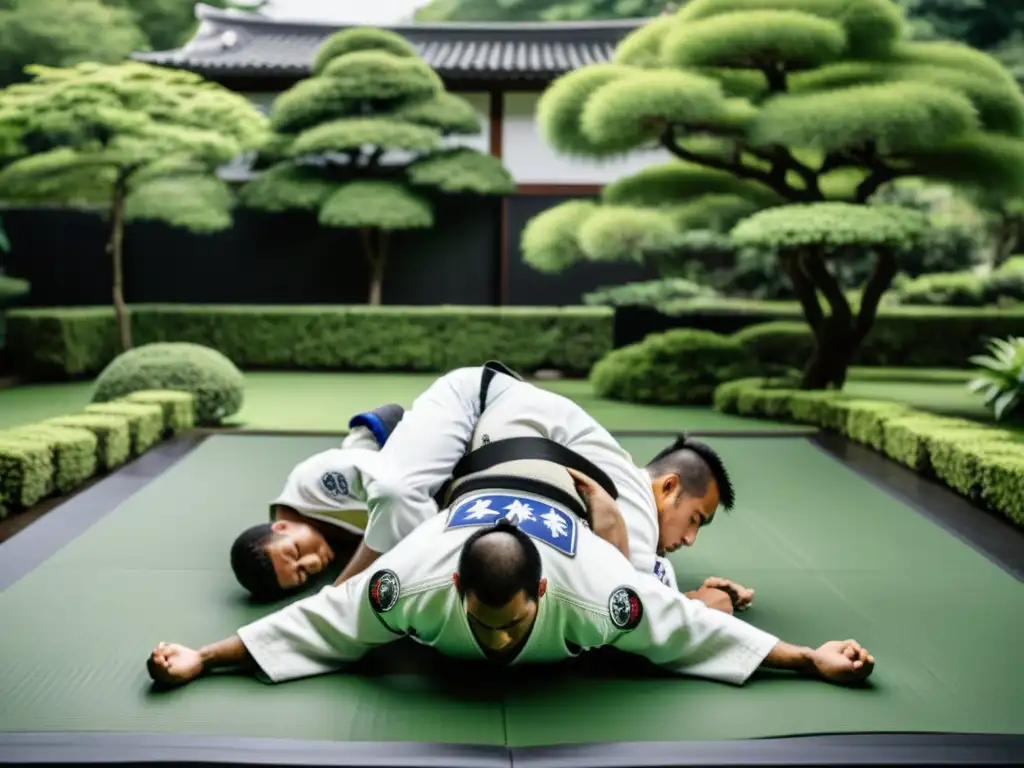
(762, 103)
(142, 142)
(360, 145)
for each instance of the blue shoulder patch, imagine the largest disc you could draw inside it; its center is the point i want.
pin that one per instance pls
(536, 519)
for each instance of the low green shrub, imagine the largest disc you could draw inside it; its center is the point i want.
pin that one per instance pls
(178, 408)
(782, 343)
(62, 342)
(651, 293)
(901, 336)
(145, 422)
(944, 289)
(678, 367)
(74, 452)
(113, 433)
(26, 473)
(980, 462)
(1006, 283)
(215, 381)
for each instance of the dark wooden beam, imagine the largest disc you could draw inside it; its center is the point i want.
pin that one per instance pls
(496, 117)
(581, 190)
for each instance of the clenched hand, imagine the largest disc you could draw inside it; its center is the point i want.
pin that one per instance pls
(741, 596)
(843, 661)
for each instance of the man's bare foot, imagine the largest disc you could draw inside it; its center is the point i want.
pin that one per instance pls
(173, 664)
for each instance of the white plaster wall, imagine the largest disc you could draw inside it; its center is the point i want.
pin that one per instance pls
(531, 160)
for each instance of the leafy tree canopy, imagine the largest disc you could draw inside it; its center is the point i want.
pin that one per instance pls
(143, 141)
(800, 89)
(363, 143)
(62, 33)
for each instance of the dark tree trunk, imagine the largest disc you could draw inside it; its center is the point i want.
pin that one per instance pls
(116, 251)
(375, 249)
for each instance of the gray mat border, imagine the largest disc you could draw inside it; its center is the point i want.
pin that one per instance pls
(999, 540)
(40, 540)
(868, 749)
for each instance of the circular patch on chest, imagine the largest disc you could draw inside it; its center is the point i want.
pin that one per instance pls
(335, 484)
(625, 609)
(383, 590)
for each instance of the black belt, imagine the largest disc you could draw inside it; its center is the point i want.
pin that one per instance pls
(535, 449)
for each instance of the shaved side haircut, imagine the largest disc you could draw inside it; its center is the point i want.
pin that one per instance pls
(497, 563)
(696, 465)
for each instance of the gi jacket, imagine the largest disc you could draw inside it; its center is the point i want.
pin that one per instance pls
(595, 598)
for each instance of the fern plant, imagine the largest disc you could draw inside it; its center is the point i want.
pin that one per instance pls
(1001, 378)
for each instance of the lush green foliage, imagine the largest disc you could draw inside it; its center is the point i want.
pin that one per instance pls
(676, 367)
(984, 464)
(215, 382)
(57, 343)
(361, 144)
(950, 289)
(62, 33)
(1001, 378)
(649, 294)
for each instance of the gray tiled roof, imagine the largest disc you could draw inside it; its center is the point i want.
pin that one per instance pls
(232, 43)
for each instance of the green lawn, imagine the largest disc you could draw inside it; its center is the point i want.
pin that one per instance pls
(325, 401)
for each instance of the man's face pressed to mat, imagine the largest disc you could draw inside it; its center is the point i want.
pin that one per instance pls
(298, 551)
(680, 515)
(502, 630)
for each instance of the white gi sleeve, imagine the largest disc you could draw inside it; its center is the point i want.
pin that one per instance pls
(683, 635)
(420, 455)
(318, 634)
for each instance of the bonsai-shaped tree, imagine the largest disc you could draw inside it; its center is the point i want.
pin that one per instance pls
(804, 235)
(806, 101)
(142, 141)
(360, 144)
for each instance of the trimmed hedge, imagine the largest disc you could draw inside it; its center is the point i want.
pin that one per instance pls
(904, 337)
(60, 342)
(216, 382)
(982, 463)
(59, 455)
(680, 367)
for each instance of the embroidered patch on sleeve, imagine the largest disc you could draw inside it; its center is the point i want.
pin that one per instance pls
(625, 609)
(383, 591)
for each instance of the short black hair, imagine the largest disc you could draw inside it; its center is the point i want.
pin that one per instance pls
(696, 464)
(251, 563)
(497, 567)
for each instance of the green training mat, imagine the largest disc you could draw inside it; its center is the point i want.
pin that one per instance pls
(830, 555)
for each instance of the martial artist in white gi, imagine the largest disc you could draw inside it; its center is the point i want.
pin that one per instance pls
(513, 577)
(438, 430)
(321, 506)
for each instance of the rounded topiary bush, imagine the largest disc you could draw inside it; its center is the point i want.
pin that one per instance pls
(946, 289)
(678, 367)
(782, 344)
(215, 381)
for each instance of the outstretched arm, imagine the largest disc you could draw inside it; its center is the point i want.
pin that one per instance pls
(316, 635)
(688, 637)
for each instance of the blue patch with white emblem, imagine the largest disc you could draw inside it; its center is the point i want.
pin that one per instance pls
(540, 521)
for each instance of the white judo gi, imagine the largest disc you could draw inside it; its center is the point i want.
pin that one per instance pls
(330, 486)
(438, 430)
(595, 598)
